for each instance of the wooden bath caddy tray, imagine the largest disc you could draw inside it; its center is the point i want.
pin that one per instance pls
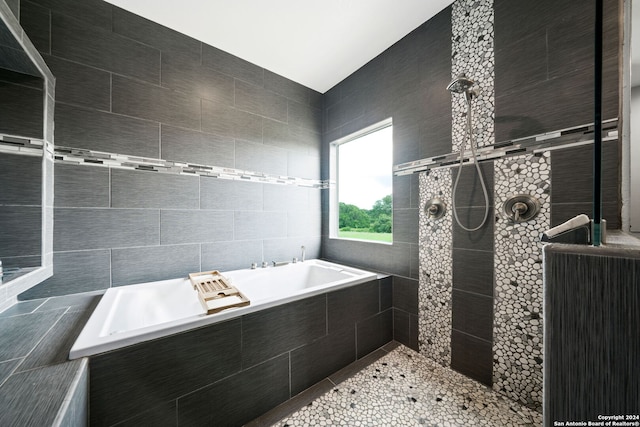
(215, 292)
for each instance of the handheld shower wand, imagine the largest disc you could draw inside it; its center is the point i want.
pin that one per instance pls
(462, 84)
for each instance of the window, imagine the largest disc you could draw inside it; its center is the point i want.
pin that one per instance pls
(361, 201)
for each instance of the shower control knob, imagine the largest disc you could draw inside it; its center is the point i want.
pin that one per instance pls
(518, 210)
(521, 208)
(435, 208)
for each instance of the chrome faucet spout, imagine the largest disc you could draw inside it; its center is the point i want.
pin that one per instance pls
(302, 259)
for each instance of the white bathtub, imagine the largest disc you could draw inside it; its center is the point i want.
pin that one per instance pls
(132, 314)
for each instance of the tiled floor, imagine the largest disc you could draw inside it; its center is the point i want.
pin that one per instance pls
(404, 388)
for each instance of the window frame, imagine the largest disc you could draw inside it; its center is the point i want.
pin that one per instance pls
(334, 197)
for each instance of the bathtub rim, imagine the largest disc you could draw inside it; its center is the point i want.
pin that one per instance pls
(90, 343)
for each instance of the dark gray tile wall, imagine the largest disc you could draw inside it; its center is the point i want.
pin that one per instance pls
(21, 114)
(405, 311)
(21, 233)
(555, 81)
(572, 183)
(130, 86)
(22, 110)
(407, 83)
(20, 210)
(247, 365)
(473, 274)
(589, 360)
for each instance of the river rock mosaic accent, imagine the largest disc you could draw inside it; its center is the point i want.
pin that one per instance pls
(404, 388)
(517, 332)
(472, 54)
(435, 275)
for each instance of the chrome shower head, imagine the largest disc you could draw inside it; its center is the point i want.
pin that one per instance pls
(460, 84)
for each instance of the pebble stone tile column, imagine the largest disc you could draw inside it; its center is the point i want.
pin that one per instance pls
(472, 53)
(517, 331)
(435, 275)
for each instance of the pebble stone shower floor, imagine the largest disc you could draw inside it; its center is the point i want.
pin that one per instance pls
(404, 388)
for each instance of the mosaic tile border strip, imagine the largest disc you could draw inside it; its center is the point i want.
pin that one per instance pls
(564, 138)
(518, 329)
(80, 156)
(20, 145)
(435, 277)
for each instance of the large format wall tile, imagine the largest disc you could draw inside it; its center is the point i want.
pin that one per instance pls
(105, 228)
(273, 331)
(224, 120)
(94, 13)
(20, 180)
(145, 264)
(559, 93)
(286, 198)
(196, 147)
(75, 272)
(405, 294)
(313, 362)
(102, 131)
(50, 383)
(481, 239)
(374, 332)
(152, 102)
(195, 226)
(292, 90)
(21, 231)
(259, 225)
(304, 224)
(80, 42)
(287, 249)
(291, 137)
(267, 384)
(35, 20)
(472, 314)
(121, 385)
(140, 189)
(230, 195)
(20, 334)
(198, 80)
(23, 115)
(590, 360)
(81, 186)
(471, 356)
(79, 84)
(231, 255)
(232, 65)
(473, 271)
(343, 310)
(150, 33)
(260, 101)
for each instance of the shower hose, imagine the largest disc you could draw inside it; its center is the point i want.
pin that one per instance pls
(475, 161)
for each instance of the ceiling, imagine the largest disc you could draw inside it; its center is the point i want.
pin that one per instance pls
(315, 43)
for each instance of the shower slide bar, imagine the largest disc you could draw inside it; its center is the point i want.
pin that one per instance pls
(564, 138)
